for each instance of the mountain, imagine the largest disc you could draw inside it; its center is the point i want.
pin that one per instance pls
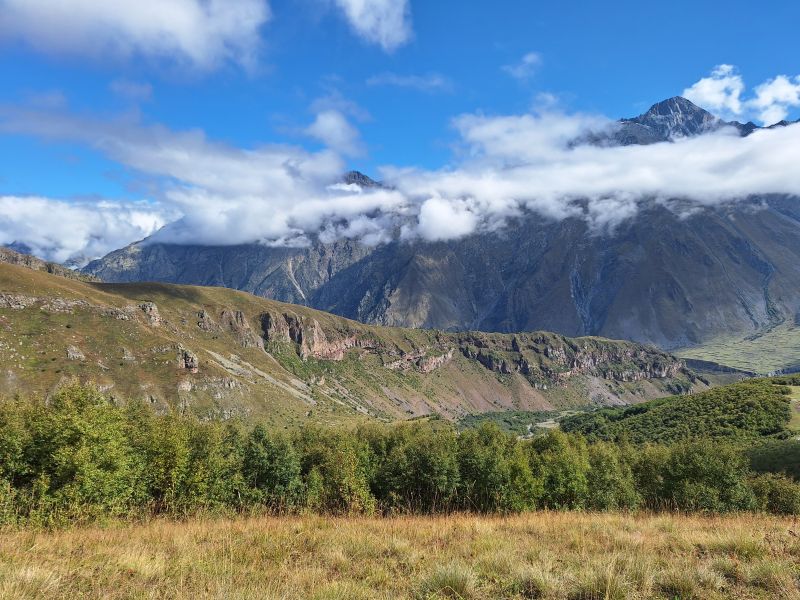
(673, 118)
(221, 353)
(675, 280)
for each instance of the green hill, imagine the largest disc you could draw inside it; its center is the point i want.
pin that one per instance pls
(219, 353)
(748, 410)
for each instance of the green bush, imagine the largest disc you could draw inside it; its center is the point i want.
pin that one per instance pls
(776, 494)
(495, 473)
(80, 457)
(560, 465)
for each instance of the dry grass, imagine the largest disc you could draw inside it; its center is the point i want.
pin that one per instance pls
(539, 555)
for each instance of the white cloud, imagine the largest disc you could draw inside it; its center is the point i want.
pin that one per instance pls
(432, 82)
(445, 219)
(720, 92)
(508, 165)
(526, 67)
(775, 97)
(383, 22)
(200, 33)
(332, 129)
(59, 230)
(723, 90)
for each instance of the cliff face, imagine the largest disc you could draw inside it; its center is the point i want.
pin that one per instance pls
(542, 358)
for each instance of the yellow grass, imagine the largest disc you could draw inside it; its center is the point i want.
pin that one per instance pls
(538, 555)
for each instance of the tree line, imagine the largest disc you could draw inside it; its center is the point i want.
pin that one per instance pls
(79, 457)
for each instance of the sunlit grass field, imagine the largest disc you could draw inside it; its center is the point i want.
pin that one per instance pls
(536, 555)
(772, 351)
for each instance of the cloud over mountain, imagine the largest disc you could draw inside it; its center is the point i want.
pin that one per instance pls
(548, 163)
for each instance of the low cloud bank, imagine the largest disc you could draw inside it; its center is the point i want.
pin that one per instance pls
(213, 193)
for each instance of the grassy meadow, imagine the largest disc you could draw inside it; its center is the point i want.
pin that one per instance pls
(764, 353)
(567, 555)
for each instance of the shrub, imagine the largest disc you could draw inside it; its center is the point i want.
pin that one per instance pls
(495, 473)
(776, 494)
(560, 464)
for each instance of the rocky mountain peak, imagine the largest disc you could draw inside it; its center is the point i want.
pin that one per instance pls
(360, 179)
(677, 117)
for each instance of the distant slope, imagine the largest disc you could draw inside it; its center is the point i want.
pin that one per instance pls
(12, 257)
(221, 353)
(774, 350)
(749, 410)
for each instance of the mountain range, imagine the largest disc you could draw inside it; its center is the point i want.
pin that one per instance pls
(670, 279)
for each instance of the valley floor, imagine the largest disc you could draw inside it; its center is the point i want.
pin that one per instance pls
(547, 555)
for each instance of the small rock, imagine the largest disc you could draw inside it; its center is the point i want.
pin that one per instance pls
(74, 353)
(188, 360)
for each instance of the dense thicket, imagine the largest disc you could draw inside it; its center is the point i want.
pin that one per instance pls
(748, 410)
(80, 457)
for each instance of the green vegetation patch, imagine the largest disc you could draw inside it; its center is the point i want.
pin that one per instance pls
(746, 410)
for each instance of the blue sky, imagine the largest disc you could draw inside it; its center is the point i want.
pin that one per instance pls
(389, 77)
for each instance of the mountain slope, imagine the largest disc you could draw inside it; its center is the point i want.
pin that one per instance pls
(221, 353)
(669, 277)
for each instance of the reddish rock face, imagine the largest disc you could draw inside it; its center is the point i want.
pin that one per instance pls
(235, 322)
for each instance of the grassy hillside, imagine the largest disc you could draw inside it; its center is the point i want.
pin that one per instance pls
(538, 555)
(771, 351)
(218, 353)
(747, 410)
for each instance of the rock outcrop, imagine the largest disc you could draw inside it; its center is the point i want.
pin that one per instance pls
(235, 322)
(310, 338)
(75, 353)
(151, 313)
(188, 360)
(554, 358)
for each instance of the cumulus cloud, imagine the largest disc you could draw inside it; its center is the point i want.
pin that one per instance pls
(60, 230)
(444, 219)
(526, 67)
(383, 22)
(432, 82)
(199, 33)
(218, 194)
(334, 130)
(722, 91)
(506, 166)
(775, 97)
(719, 92)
